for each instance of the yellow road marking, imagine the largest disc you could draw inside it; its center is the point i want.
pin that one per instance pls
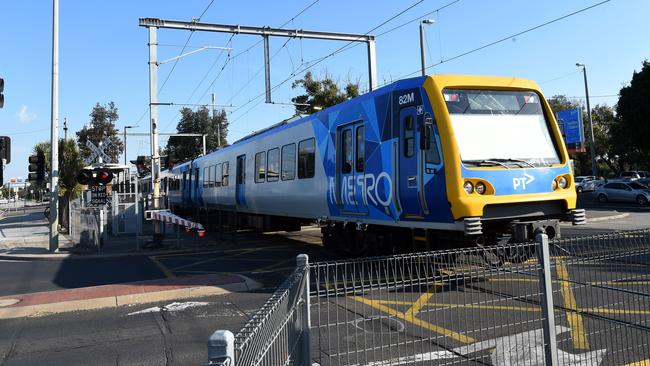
(576, 324)
(420, 302)
(161, 267)
(640, 363)
(466, 306)
(615, 311)
(621, 283)
(513, 280)
(415, 321)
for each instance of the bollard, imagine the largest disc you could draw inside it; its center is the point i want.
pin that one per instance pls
(302, 261)
(221, 348)
(546, 288)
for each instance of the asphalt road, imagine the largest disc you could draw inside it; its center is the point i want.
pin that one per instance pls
(178, 337)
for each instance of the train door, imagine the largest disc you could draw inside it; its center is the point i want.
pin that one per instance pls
(240, 181)
(350, 168)
(186, 187)
(410, 173)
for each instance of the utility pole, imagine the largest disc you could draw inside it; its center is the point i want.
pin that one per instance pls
(214, 117)
(422, 60)
(594, 163)
(153, 131)
(54, 134)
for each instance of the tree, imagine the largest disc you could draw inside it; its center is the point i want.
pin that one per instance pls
(321, 93)
(101, 126)
(180, 148)
(632, 131)
(70, 164)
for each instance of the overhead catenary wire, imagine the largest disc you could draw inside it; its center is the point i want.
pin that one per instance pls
(510, 36)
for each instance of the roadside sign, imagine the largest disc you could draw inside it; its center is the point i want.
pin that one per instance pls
(570, 121)
(98, 196)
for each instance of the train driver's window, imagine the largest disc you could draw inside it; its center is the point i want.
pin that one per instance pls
(288, 162)
(226, 173)
(306, 158)
(409, 137)
(347, 152)
(273, 165)
(432, 155)
(260, 166)
(361, 149)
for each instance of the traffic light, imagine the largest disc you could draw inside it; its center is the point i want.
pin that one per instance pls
(2, 170)
(95, 177)
(5, 149)
(37, 167)
(2, 89)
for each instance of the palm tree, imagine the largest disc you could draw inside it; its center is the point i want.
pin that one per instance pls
(70, 164)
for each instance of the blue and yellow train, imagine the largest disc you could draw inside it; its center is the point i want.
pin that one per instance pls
(422, 163)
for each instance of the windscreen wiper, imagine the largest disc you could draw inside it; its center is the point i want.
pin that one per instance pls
(515, 161)
(486, 163)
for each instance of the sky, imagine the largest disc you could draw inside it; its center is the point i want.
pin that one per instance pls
(104, 54)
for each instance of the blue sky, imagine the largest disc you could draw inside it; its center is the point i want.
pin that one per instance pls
(103, 55)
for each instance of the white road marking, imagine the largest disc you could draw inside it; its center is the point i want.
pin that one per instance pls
(525, 348)
(175, 306)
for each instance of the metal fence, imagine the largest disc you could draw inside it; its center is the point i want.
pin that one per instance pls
(86, 225)
(577, 301)
(278, 333)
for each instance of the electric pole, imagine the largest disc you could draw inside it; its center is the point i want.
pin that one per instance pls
(54, 134)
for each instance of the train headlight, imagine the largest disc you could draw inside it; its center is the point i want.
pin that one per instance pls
(469, 187)
(480, 188)
(562, 182)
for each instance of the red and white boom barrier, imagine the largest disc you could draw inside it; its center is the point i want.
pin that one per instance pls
(168, 217)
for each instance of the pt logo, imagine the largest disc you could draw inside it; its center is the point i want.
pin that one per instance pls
(522, 182)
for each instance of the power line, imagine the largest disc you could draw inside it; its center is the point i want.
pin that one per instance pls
(310, 65)
(510, 37)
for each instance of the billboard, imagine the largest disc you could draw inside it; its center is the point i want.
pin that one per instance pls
(570, 122)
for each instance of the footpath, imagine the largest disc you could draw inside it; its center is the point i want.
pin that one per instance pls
(24, 238)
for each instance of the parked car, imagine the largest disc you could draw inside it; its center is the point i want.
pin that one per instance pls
(581, 180)
(623, 192)
(644, 181)
(630, 175)
(590, 185)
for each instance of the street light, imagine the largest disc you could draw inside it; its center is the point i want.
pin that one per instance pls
(594, 165)
(422, 23)
(125, 127)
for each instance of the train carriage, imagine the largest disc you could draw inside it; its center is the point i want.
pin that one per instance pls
(419, 163)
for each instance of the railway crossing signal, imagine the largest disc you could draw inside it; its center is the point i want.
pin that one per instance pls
(37, 167)
(95, 177)
(5, 149)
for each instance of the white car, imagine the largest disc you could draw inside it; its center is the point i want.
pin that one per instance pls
(582, 183)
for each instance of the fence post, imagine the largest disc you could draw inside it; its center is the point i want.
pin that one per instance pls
(302, 261)
(546, 288)
(221, 348)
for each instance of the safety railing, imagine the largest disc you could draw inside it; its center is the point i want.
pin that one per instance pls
(576, 301)
(277, 334)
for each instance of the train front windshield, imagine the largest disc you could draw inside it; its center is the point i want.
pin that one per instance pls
(500, 128)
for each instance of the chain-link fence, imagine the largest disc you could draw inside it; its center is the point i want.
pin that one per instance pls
(579, 301)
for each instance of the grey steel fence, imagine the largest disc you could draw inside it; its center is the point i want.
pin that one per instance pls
(277, 334)
(577, 301)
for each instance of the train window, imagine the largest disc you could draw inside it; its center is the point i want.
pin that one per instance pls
(217, 175)
(346, 152)
(432, 155)
(409, 137)
(225, 173)
(288, 162)
(361, 148)
(260, 166)
(273, 165)
(206, 180)
(306, 158)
